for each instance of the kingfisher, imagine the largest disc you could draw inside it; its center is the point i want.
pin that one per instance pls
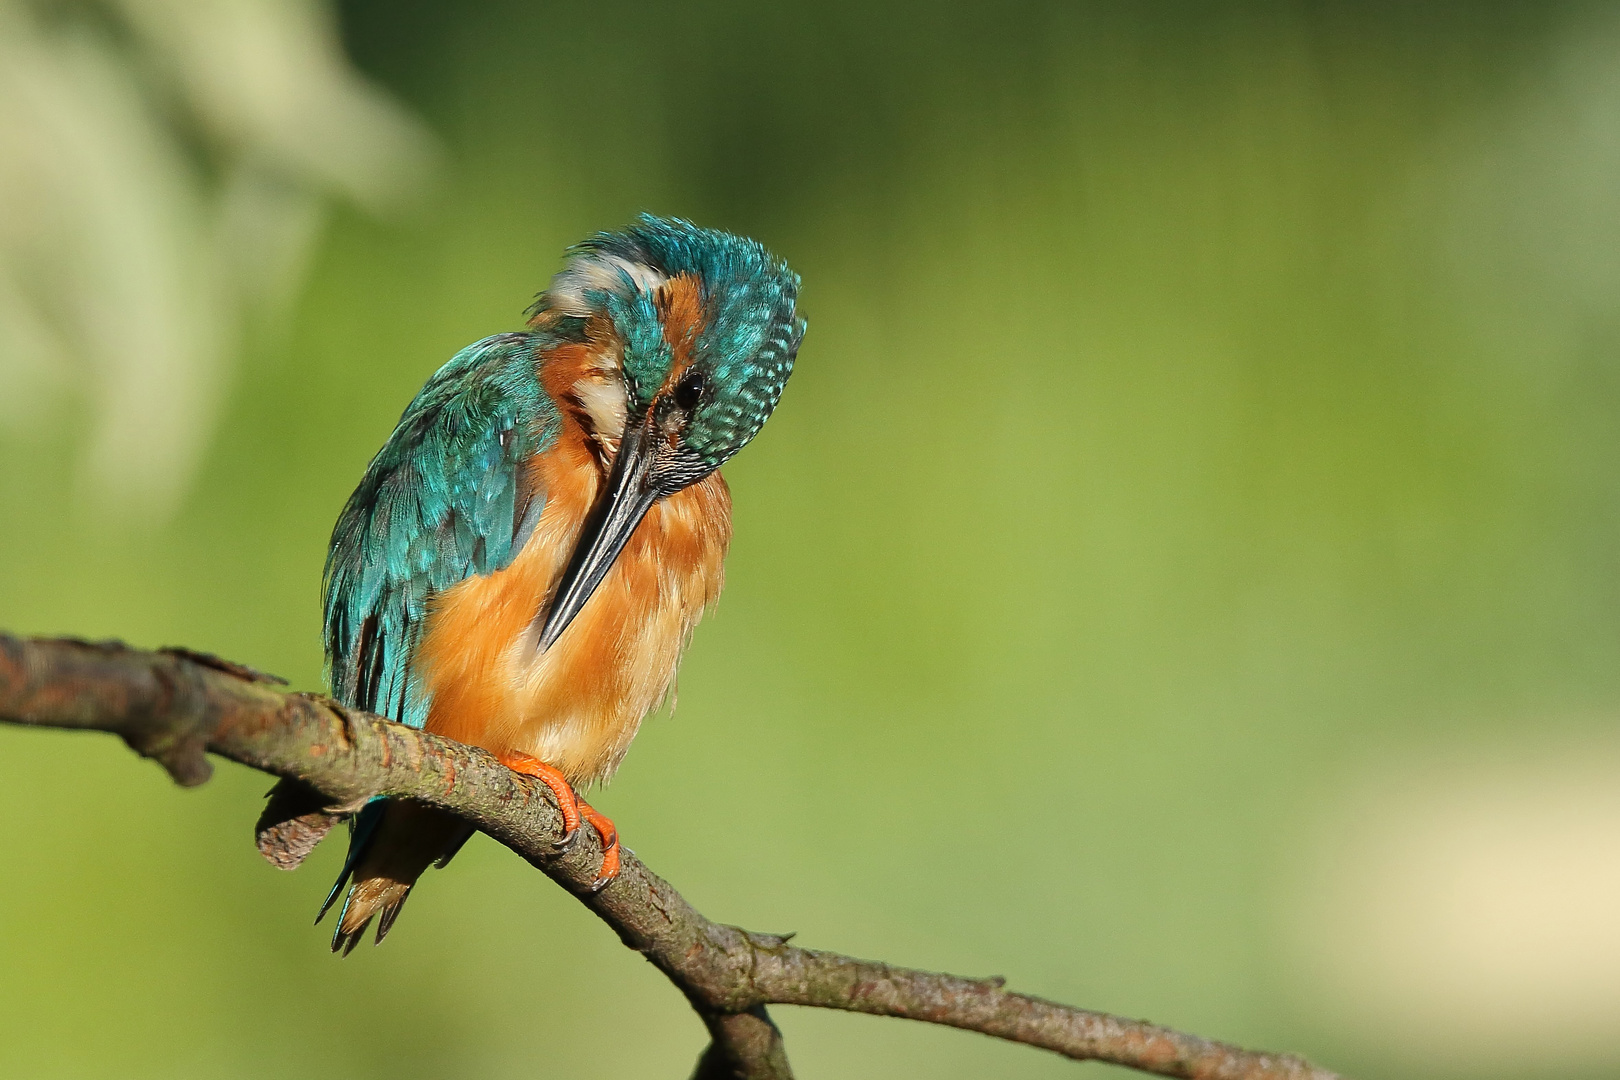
(526, 557)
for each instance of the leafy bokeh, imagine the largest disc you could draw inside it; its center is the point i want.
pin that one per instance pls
(1205, 441)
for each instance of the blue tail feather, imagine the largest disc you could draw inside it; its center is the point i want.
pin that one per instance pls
(361, 830)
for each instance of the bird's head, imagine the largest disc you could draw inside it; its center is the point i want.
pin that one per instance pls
(692, 335)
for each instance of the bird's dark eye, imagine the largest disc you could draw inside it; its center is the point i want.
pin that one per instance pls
(689, 390)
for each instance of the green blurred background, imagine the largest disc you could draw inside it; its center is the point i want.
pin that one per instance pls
(1180, 576)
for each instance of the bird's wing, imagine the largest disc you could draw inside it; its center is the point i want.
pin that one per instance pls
(447, 497)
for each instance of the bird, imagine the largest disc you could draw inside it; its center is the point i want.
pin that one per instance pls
(524, 561)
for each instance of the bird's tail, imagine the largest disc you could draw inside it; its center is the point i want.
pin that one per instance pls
(392, 842)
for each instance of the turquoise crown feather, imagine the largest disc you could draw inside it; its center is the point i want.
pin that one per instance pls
(751, 329)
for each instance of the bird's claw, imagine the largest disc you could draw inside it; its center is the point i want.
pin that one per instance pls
(609, 870)
(565, 842)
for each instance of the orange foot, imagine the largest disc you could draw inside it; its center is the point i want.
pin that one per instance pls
(610, 845)
(552, 777)
(573, 808)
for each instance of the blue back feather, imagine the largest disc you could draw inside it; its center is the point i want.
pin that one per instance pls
(444, 499)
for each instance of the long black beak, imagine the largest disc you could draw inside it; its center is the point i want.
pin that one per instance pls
(630, 494)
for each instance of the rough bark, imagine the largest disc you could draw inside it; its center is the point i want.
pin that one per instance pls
(177, 706)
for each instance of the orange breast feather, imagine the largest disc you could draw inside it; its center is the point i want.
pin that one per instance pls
(578, 704)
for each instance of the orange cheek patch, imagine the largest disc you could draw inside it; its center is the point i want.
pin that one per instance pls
(680, 310)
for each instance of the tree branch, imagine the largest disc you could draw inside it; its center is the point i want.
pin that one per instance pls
(175, 706)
